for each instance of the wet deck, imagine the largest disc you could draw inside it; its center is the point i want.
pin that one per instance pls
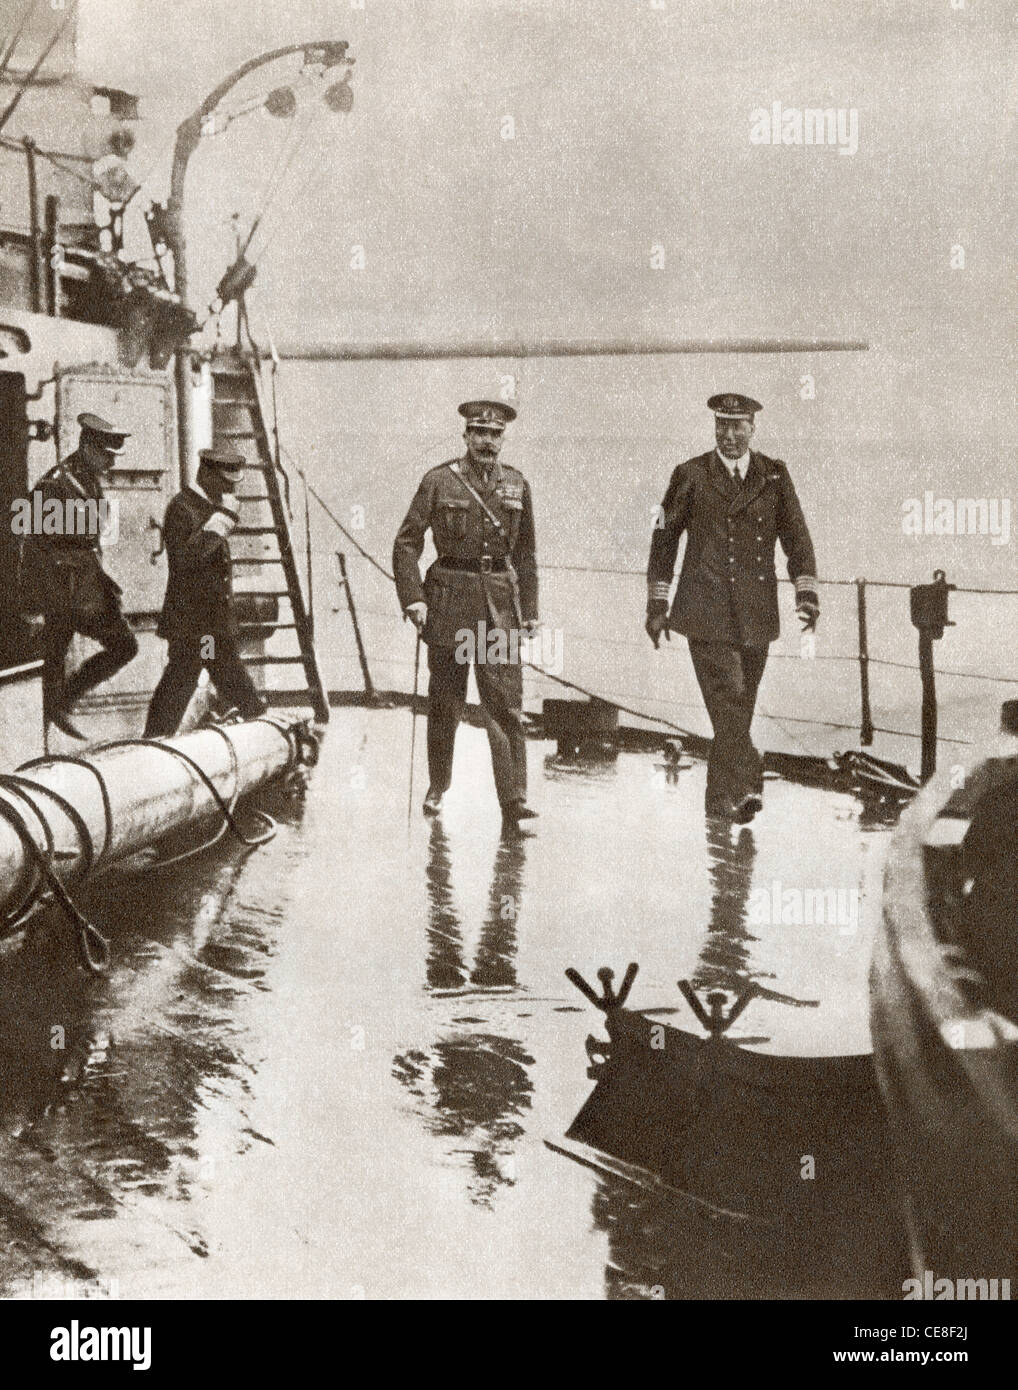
(328, 1068)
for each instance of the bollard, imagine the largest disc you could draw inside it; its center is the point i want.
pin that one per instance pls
(928, 610)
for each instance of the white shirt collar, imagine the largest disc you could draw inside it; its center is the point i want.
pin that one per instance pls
(740, 464)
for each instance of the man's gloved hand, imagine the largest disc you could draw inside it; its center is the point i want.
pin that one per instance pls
(656, 624)
(221, 524)
(417, 613)
(808, 610)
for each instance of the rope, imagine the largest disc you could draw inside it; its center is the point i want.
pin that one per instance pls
(828, 583)
(296, 141)
(8, 52)
(27, 80)
(229, 821)
(93, 948)
(657, 719)
(314, 166)
(78, 761)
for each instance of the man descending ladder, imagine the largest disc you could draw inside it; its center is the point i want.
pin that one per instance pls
(197, 619)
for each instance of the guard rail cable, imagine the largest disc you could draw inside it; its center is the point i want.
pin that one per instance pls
(781, 720)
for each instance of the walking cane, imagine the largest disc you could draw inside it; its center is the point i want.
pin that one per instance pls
(413, 729)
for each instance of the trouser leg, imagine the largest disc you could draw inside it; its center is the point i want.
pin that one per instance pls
(119, 646)
(232, 679)
(173, 693)
(500, 687)
(447, 693)
(754, 659)
(729, 678)
(57, 635)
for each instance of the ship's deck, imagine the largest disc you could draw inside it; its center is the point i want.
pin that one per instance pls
(330, 1066)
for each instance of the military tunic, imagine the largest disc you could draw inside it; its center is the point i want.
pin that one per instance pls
(63, 580)
(726, 603)
(469, 591)
(197, 618)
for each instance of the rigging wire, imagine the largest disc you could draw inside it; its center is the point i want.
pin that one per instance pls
(298, 187)
(30, 77)
(8, 53)
(285, 151)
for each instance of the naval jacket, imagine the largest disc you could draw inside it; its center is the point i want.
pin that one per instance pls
(728, 589)
(62, 574)
(464, 535)
(199, 588)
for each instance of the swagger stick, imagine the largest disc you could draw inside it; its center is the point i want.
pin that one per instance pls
(413, 731)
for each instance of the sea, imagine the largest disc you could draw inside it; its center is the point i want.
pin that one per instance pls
(597, 438)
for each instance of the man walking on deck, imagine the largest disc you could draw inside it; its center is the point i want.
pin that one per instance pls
(63, 579)
(734, 504)
(197, 618)
(479, 596)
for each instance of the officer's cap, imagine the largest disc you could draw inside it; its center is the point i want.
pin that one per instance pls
(731, 406)
(107, 436)
(491, 415)
(226, 461)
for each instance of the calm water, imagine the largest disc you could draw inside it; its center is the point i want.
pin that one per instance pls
(597, 439)
(328, 1068)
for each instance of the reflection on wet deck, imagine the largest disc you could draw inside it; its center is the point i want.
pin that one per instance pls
(327, 1068)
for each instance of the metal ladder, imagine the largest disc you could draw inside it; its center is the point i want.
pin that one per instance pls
(239, 422)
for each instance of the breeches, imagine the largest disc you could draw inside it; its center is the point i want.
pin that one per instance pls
(110, 629)
(500, 687)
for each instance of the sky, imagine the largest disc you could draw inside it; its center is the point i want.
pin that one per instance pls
(630, 203)
(631, 131)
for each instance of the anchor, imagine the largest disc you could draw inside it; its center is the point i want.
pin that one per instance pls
(717, 1022)
(608, 999)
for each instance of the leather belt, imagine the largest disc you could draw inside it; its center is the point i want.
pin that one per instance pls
(485, 565)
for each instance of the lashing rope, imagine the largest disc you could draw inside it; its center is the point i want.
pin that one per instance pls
(92, 946)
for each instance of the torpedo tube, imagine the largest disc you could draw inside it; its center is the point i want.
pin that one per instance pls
(64, 819)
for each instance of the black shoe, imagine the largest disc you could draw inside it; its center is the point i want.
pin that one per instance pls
(432, 803)
(66, 725)
(517, 811)
(747, 808)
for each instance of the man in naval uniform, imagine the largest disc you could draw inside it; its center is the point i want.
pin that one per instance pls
(197, 619)
(63, 576)
(734, 504)
(477, 600)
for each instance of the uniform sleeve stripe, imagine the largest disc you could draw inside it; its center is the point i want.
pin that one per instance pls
(806, 583)
(658, 588)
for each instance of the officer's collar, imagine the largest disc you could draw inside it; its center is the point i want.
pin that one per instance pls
(494, 474)
(731, 464)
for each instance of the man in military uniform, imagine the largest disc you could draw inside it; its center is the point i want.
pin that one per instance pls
(63, 577)
(734, 504)
(477, 597)
(197, 620)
